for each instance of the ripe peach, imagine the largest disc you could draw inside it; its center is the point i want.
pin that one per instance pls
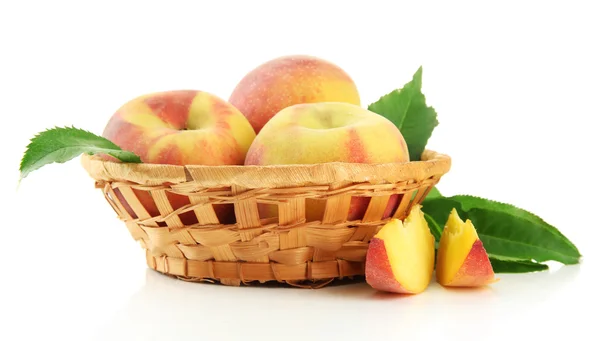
(183, 127)
(462, 260)
(288, 80)
(313, 133)
(400, 257)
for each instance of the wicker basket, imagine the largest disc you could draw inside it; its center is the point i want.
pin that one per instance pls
(179, 215)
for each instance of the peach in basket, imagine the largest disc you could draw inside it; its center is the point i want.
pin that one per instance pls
(209, 199)
(291, 241)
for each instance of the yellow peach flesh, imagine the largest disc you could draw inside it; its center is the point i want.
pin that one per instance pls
(455, 244)
(410, 251)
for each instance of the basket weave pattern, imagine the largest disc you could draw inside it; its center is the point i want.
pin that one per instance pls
(285, 247)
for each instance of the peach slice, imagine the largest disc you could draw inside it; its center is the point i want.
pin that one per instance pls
(462, 260)
(400, 257)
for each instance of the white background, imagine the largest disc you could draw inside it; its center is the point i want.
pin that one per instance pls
(515, 85)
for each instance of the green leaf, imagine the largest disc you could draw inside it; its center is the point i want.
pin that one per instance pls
(515, 266)
(433, 193)
(506, 230)
(407, 109)
(59, 145)
(434, 227)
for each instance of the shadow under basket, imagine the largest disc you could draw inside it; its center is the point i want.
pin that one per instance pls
(304, 225)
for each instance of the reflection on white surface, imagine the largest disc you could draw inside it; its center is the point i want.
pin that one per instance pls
(100, 288)
(166, 309)
(85, 278)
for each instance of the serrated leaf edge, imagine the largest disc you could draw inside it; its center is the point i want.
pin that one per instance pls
(554, 230)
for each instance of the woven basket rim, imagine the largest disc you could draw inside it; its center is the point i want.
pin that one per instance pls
(432, 164)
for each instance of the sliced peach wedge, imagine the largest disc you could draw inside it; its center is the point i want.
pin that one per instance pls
(400, 257)
(462, 261)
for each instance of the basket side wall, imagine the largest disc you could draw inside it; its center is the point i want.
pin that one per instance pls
(238, 234)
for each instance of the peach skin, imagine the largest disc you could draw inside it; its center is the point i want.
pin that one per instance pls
(183, 127)
(288, 80)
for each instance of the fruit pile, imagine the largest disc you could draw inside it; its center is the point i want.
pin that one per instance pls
(305, 110)
(290, 110)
